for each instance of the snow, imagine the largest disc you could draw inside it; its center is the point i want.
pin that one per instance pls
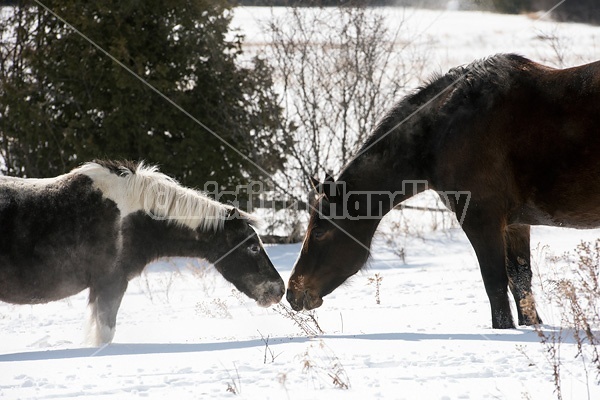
(450, 38)
(184, 332)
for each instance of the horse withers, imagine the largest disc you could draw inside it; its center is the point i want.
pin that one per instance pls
(99, 225)
(521, 139)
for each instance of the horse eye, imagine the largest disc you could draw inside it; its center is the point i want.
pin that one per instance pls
(254, 248)
(317, 233)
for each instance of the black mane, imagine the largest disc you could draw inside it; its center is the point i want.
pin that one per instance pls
(444, 94)
(119, 167)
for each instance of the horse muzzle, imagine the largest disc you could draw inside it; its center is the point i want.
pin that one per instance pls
(303, 300)
(270, 293)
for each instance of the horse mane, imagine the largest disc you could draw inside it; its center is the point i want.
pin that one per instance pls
(445, 93)
(137, 186)
(494, 74)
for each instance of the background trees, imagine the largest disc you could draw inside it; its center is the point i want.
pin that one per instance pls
(511, 6)
(587, 11)
(340, 69)
(62, 101)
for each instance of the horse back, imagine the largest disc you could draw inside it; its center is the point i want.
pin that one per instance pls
(529, 146)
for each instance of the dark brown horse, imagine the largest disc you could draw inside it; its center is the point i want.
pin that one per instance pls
(521, 139)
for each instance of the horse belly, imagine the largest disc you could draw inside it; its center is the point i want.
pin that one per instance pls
(567, 217)
(35, 284)
(51, 270)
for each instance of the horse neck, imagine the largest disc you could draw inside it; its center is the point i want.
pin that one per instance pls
(146, 239)
(393, 165)
(399, 155)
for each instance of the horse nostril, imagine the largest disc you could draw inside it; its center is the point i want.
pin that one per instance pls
(277, 291)
(289, 296)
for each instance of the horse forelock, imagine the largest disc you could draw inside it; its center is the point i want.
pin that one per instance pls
(141, 187)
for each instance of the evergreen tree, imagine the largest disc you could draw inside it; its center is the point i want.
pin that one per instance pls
(511, 6)
(63, 101)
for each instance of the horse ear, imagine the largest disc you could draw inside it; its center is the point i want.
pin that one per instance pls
(329, 188)
(315, 184)
(232, 213)
(322, 188)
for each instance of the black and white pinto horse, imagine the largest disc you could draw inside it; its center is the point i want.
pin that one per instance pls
(99, 225)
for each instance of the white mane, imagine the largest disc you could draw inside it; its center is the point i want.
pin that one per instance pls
(158, 195)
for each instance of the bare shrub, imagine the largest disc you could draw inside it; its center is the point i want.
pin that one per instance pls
(578, 300)
(268, 350)
(376, 281)
(205, 274)
(324, 367)
(284, 226)
(162, 282)
(217, 308)
(557, 44)
(234, 385)
(340, 68)
(305, 320)
(407, 222)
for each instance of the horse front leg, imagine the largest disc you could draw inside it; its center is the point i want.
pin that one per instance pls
(488, 241)
(104, 301)
(518, 267)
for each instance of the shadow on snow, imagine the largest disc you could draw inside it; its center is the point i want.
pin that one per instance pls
(517, 336)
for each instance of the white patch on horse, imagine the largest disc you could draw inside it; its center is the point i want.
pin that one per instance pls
(146, 189)
(97, 333)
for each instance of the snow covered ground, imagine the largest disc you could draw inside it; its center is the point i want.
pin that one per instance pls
(183, 332)
(450, 38)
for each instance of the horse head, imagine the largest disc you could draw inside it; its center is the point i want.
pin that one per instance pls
(241, 258)
(335, 247)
